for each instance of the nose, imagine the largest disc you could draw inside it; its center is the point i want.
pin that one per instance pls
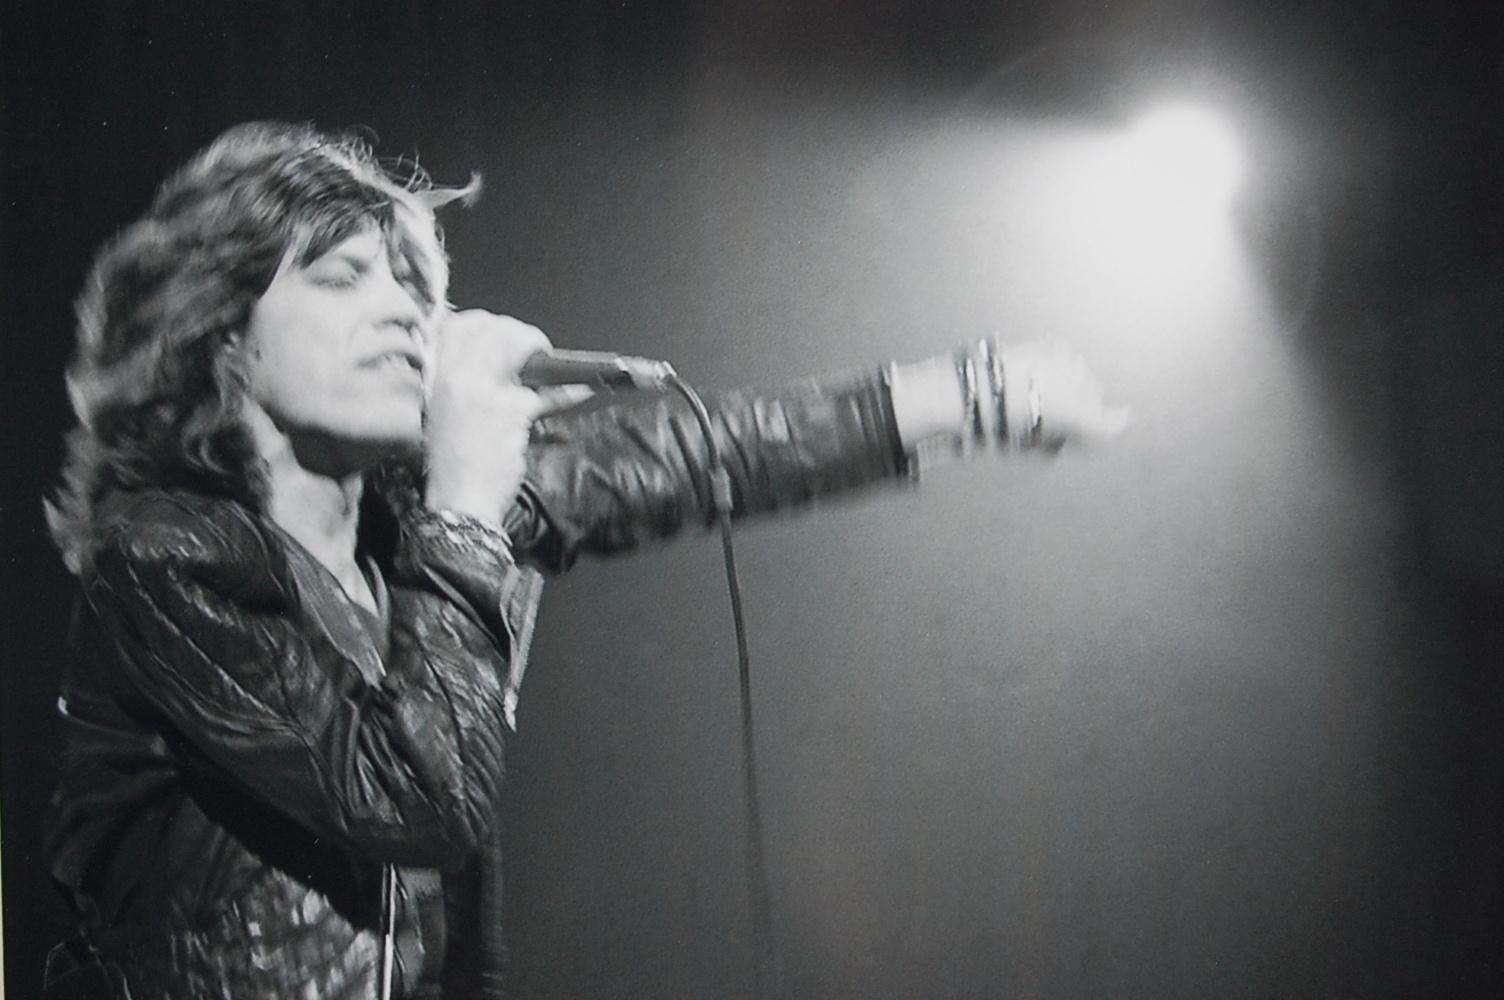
(396, 304)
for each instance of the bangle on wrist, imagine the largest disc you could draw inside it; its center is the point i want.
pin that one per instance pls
(991, 356)
(971, 403)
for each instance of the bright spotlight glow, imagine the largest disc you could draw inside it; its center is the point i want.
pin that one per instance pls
(1069, 216)
(1185, 155)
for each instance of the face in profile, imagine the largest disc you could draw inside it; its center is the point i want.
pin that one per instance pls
(338, 351)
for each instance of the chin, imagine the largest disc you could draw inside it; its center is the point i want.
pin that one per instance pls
(403, 439)
(372, 441)
(396, 427)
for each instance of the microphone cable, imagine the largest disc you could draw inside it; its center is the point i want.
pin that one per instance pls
(759, 897)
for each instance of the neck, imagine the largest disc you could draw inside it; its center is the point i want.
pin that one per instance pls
(320, 510)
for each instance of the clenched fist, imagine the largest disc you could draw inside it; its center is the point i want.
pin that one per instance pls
(1040, 379)
(478, 417)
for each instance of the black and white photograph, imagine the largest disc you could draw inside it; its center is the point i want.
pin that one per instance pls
(752, 500)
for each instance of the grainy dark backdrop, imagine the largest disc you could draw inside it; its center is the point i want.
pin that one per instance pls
(1214, 713)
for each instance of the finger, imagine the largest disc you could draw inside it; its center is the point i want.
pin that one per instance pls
(561, 397)
(519, 401)
(520, 343)
(523, 337)
(517, 336)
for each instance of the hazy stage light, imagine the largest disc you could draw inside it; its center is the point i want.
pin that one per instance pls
(1154, 199)
(1185, 156)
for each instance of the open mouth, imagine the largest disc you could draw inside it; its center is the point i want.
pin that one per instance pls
(399, 361)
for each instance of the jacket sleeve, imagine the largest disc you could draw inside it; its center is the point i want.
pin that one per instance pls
(475, 952)
(215, 644)
(615, 477)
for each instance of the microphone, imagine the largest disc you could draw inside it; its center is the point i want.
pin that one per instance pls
(593, 368)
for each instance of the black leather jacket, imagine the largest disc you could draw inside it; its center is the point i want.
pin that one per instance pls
(254, 773)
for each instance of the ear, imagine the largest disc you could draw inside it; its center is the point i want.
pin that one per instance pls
(240, 350)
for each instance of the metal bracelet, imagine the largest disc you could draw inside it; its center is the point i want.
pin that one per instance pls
(462, 531)
(992, 361)
(971, 404)
(1036, 416)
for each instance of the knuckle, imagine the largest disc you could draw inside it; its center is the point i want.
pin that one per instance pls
(518, 398)
(530, 338)
(530, 403)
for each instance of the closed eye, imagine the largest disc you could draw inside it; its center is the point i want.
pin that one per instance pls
(344, 272)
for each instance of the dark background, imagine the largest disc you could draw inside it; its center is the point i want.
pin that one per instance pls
(1213, 713)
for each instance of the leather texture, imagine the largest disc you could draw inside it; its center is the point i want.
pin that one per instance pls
(244, 757)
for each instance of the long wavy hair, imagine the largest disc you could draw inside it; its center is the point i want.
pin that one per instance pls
(159, 376)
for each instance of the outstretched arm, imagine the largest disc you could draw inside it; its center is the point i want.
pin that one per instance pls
(610, 479)
(615, 477)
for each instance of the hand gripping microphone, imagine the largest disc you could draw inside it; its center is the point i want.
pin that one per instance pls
(597, 369)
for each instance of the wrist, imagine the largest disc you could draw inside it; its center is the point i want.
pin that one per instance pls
(928, 401)
(480, 505)
(976, 396)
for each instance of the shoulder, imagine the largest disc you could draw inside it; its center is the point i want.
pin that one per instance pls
(178, 529)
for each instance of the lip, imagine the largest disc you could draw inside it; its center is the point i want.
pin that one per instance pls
(405, 352)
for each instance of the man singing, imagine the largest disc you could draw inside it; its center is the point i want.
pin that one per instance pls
(307, 503)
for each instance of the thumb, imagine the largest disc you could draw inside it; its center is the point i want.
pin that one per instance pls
(562, 397)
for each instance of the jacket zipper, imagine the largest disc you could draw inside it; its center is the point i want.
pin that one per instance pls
(388, 930)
